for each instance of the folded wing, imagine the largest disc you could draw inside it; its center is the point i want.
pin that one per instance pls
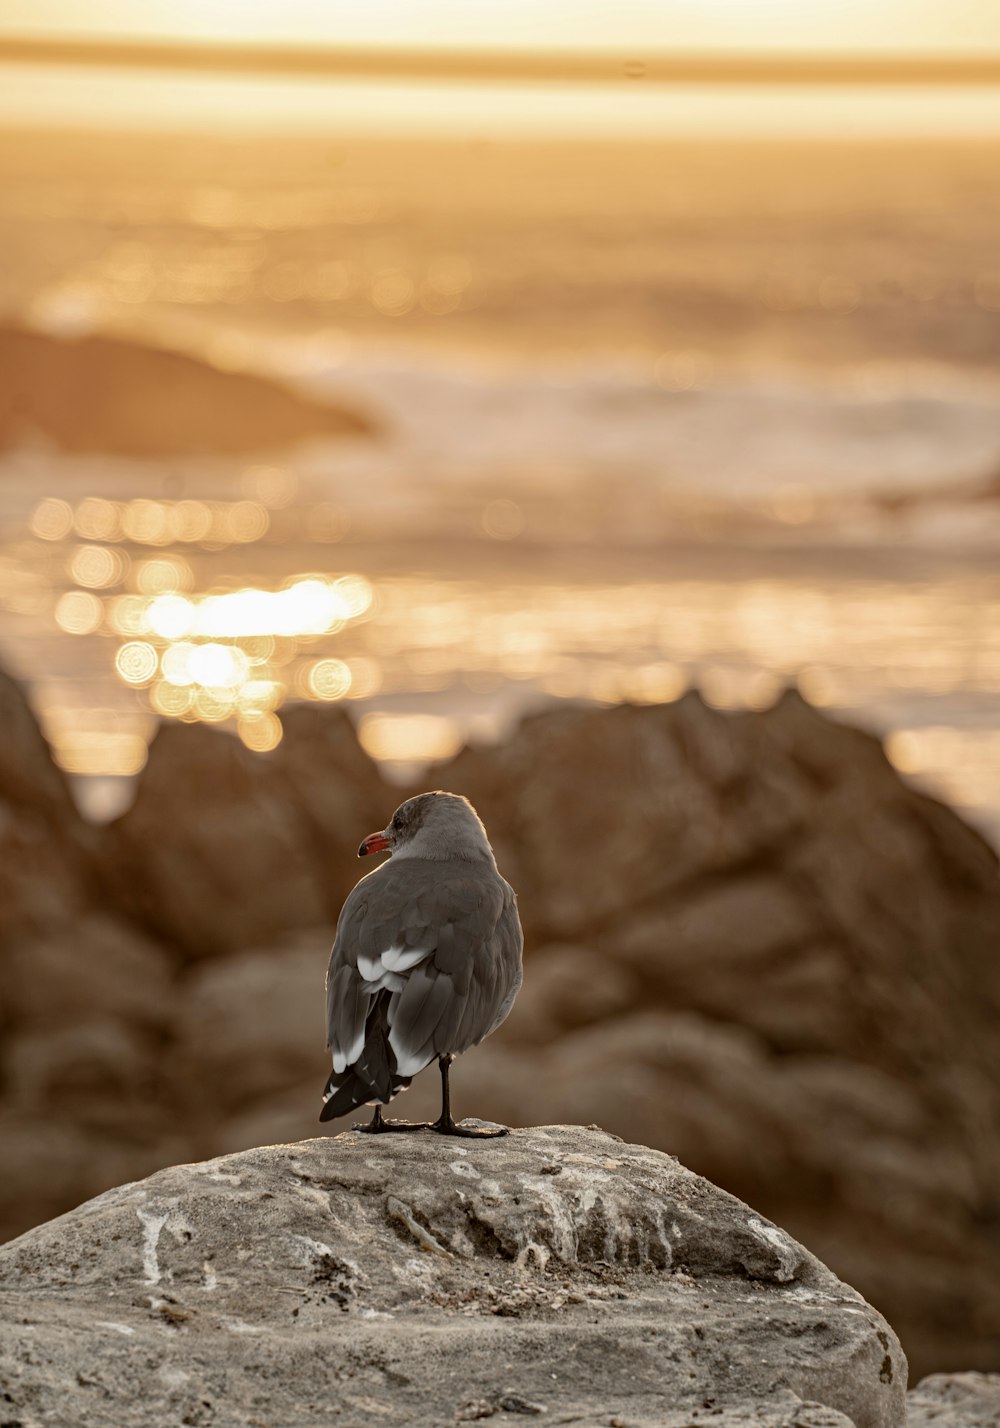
(421, 966)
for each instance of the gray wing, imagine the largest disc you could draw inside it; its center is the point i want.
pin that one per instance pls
(447, 947)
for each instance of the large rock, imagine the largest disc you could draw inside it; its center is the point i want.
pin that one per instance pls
(107, 394)
(97, 968)
(252, 1024)
(209, 853)
(410, 1279)
(223, 849)
(85, 998)
(955, 1400)
(47, 868)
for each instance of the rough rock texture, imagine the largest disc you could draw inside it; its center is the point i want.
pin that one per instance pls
(955, 1400)
(559, 1272)
(749, 943)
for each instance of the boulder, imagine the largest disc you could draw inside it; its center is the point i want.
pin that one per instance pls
(47, 868)
(955, 1400)
(570, 986)
(224, 849)
(85, 998)
(559, 1272)
(338, 792)
(113, 395)
(252, 1024)
(99, 967)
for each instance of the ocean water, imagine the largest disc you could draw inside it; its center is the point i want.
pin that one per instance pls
(645, 415)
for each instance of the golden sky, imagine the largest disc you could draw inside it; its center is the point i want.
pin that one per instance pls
(902, 27)
(398, 89)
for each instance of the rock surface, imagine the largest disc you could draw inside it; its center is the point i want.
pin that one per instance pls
(558, 1272)
(955, 1400)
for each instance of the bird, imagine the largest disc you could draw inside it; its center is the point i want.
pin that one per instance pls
(426, 961)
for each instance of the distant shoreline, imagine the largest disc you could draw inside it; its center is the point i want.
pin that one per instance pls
(505, 66)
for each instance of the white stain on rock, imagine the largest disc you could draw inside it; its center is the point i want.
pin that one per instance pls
(463, 1168)
(311, 1249)
(224, 1177)
(152, 1227)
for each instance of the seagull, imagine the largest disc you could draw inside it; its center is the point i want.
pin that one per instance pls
(426, 961)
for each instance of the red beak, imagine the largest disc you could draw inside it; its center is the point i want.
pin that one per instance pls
(374, 843)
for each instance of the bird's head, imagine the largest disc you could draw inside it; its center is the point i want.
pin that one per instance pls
(432, 825)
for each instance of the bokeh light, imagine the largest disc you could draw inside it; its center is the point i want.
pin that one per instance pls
(329, 679)
(218, 666)
(168, 574)
(97, 567)
(136, 662)
(147, 522)
(127, 614)
(97, 519)
(52, 519)
(169, 616)
(190, 521)
(409, 738)
(79, 613)
(171, 699)
(261, 733)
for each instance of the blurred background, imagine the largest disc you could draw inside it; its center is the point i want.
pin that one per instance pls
(374, 377)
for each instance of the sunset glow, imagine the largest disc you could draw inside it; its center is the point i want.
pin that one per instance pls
(523, 241)
(891, 25)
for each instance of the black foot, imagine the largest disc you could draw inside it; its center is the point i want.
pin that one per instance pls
(444, 1125)
(377, 1127)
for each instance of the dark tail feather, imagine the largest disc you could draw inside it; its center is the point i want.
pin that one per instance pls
(373, 1076)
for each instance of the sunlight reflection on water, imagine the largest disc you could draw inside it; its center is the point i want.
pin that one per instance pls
(430, 659)
(687, 459)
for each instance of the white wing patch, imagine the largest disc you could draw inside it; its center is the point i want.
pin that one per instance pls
(403, 959)
(387, 972)
(343, 1059)
(370, 967)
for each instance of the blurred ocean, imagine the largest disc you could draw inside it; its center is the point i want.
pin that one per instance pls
(646, 415)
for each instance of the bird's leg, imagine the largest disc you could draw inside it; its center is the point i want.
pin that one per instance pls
(444, 1125)
(377, 1125)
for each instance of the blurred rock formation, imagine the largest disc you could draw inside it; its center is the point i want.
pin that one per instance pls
(111, 395)
(749, 943)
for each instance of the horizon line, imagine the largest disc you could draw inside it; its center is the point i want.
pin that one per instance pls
(501, 66)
